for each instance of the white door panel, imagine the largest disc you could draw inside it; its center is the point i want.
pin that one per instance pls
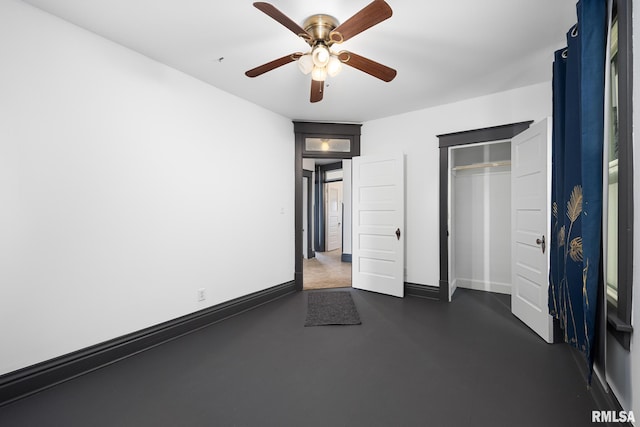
(530, 222)
(334, 216)
(378, 212)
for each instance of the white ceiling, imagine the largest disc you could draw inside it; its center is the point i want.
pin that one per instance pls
(444, 51)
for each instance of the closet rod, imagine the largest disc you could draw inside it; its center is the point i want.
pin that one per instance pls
(483, 165)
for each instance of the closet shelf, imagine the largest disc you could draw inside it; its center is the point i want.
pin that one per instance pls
(483, 165)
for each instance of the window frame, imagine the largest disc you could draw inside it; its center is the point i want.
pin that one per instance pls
(619, 318)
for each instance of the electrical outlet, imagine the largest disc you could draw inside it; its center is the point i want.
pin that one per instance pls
(201, 294)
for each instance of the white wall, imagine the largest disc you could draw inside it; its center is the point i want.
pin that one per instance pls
(415, 134)
(481, 211)
(309, 164)
(125, 186)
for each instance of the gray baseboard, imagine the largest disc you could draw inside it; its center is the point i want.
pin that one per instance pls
(32, 379)
(346, 257)
(421, 291)
(444, 290)
(601, 393)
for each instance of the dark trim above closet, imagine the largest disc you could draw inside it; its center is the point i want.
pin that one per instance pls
(495, 133)
(304, 130)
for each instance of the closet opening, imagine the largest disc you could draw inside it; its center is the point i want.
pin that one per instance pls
(474, 177)
(480, 217)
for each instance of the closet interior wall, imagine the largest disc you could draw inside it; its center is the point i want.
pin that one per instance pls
(481, 217)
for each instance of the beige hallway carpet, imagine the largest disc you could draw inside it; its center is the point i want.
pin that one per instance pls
(326, 271)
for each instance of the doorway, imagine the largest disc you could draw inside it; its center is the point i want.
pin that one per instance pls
(329, 265)
(480, 210)
(333, 216)
(447, 142)
(323, 143)
(530, 213)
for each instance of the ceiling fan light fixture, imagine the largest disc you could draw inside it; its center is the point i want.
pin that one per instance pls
(305, 63)
(319, 74)
(321, 32)
(320, 55)
(334, 66)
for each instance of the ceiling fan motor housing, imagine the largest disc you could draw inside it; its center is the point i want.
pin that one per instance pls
(320, 26)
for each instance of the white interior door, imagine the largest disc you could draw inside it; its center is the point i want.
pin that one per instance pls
(334, 216)
(530, 225)
(378, 224)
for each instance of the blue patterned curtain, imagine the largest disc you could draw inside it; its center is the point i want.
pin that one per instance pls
(576, 194)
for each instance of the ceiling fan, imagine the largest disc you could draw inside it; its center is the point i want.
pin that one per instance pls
(321, 32)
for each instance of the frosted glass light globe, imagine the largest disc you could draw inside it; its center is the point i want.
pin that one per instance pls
(320, 56)
(305, 63)
(334, 66)
(319, 74)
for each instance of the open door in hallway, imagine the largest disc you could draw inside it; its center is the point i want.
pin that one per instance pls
(530, 222)
(378, 224)
(333, 216)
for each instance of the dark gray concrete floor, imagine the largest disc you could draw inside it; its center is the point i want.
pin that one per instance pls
(412, 362)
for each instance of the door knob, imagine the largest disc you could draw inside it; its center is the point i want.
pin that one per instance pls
(542, 243)
(398, 233)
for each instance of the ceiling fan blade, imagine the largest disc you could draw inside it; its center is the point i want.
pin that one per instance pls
(283, 19)
(372, 14)
(255, 72)
(367, 65)
(317, 91)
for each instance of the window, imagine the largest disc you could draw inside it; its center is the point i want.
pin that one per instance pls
(341, 145)
(612, 226)
(620, 170)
